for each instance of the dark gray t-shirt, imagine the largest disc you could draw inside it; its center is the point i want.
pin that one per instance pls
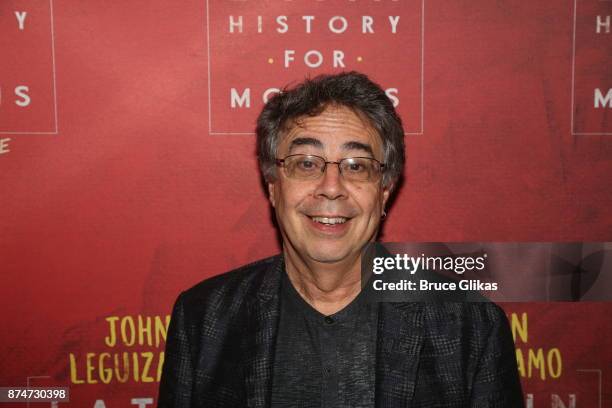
(324, 361)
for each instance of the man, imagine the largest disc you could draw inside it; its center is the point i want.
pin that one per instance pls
(292, 330)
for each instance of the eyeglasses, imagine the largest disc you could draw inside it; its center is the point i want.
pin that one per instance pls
(310, 167)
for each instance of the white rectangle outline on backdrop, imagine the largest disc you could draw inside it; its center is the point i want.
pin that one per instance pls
(573, 78)
(595, 370)
(55, 131)
(211, 132)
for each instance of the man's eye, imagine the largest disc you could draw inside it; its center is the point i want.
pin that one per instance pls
(356, 167)
(306, 165)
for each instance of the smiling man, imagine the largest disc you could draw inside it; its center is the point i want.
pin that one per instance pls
(328, 211)
(293, 330)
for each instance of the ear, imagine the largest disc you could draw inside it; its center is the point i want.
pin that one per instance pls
(386, 192)
(271, 190)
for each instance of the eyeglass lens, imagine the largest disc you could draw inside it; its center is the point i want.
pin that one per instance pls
(351, 168)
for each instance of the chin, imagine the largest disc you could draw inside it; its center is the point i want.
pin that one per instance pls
(329, 255)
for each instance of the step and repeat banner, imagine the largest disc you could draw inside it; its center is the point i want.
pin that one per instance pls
(128, 169)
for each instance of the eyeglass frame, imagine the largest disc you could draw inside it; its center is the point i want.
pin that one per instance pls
(281, 163)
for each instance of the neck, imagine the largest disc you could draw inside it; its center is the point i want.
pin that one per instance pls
(327, 287)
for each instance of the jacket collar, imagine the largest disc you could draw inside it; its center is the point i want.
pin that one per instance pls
(260, 336)
(399, 341)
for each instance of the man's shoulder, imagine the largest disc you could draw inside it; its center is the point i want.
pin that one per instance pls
(231, 289)
(481, 311)
(475, 317)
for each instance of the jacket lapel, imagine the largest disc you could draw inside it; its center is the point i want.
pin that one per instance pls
(399, 342)
(260, 337)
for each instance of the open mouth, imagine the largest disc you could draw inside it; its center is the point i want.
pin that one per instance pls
(330, 220)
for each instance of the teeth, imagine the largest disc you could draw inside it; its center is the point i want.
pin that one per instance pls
(329, 221)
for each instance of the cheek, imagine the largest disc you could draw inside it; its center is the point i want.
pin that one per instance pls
(369, 199)
(289, 196)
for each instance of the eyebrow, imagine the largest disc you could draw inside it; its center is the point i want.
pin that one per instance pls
(358, 146)
(305, 141)
(311, 141)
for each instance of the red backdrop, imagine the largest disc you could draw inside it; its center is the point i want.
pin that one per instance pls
(127, 167)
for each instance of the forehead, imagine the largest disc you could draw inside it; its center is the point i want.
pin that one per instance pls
(334, 126)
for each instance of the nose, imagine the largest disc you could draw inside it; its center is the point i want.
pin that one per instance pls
(331, 184)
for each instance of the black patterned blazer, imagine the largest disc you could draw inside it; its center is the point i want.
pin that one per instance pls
(220, 348)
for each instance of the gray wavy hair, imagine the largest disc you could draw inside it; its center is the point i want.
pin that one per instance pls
(351, 89)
